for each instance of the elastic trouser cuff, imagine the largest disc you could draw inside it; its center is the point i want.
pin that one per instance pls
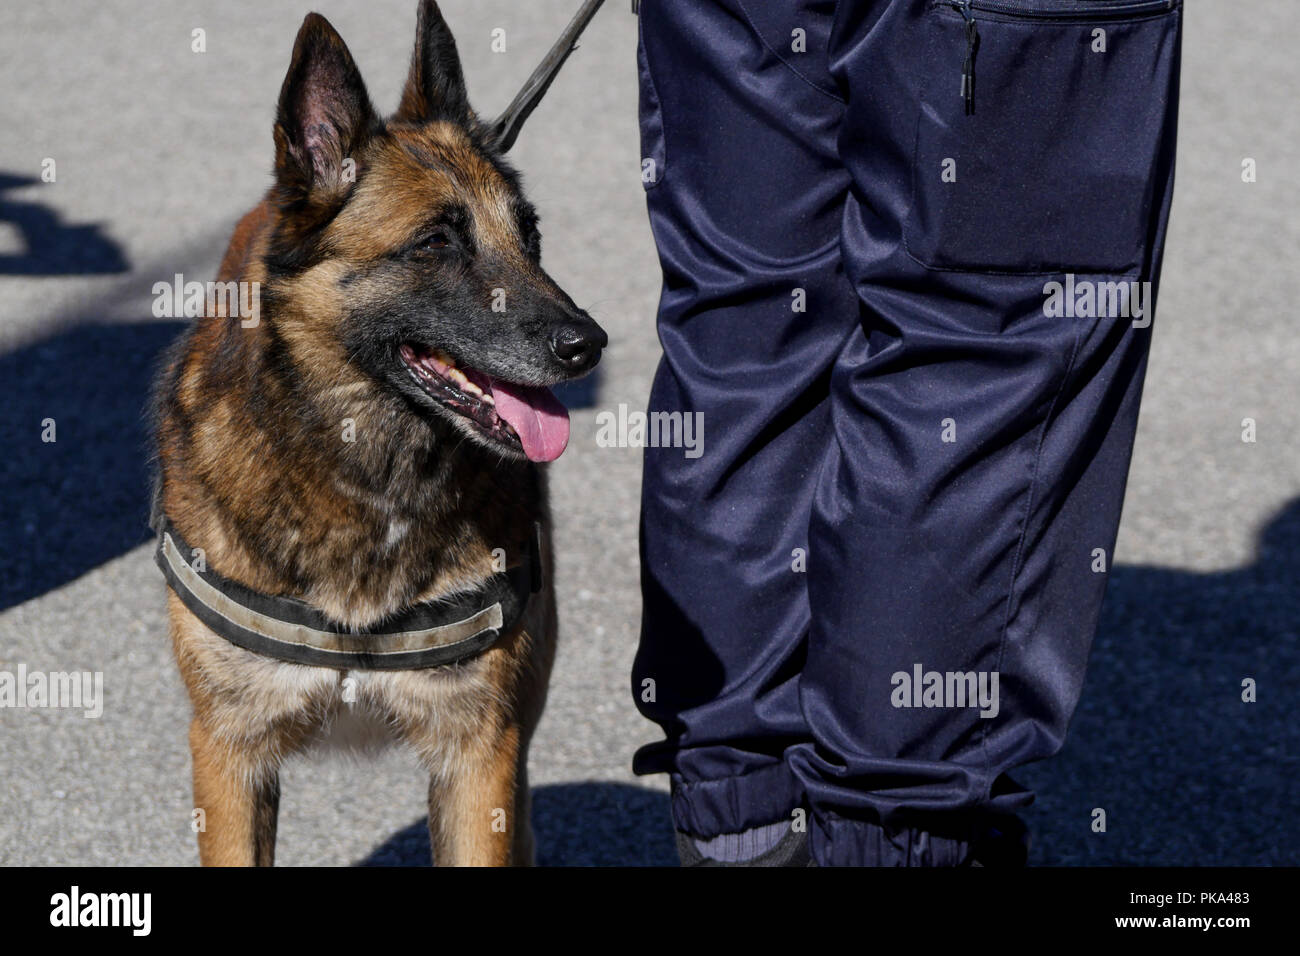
(838, 841)
(709, 808)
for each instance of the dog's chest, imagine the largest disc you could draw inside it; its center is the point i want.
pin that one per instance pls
(350, 709)
(436, 710)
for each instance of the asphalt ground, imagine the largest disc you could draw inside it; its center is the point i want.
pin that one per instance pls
(159, 149)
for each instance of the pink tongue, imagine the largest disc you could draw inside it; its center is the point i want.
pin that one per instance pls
(537, 417)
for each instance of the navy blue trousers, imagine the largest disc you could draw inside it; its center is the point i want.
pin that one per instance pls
(908, 268)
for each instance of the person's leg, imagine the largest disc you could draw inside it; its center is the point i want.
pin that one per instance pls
(964, 521)
(746, 196)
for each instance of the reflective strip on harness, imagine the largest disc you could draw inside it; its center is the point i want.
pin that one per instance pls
(290, 630)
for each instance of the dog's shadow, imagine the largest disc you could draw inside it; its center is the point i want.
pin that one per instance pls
(580, 393)
(75, 476)
(50, 246)
(576, 824)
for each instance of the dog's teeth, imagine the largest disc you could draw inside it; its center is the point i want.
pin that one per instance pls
(436, 365)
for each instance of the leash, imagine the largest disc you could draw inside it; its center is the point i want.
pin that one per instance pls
(506, 127)
(430, 634)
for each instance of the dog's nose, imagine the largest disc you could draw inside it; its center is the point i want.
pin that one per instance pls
(578, 349)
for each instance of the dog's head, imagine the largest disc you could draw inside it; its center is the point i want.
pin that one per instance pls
(404, 249)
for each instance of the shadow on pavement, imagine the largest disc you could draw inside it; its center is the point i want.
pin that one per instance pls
(83, 499)
(580, 393)
(576, 824)
(1187, 773)
(53, 247)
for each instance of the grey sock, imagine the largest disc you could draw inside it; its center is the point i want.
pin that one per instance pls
(745, 845)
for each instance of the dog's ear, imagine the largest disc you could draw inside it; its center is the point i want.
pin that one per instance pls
(324, 117)
(435, 87)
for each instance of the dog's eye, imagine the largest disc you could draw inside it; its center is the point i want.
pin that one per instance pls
(437, 240)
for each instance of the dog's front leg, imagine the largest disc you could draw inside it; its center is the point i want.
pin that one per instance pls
(522, 848)
(239, 794)
(473, 818)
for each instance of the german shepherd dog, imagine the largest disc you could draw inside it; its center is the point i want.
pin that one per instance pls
(383, 251)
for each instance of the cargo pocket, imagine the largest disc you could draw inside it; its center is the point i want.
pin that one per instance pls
(653, 151)
(1041, 130)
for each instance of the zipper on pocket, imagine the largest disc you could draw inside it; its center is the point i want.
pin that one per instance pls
(968, 67)
(1077, 10)
(1068, 9)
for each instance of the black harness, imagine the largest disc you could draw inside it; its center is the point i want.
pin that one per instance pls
(430, 634)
